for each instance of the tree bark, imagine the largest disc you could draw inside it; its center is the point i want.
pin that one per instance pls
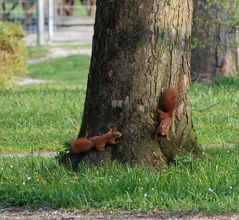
(66, 7)
(139, 47)
(215, 52)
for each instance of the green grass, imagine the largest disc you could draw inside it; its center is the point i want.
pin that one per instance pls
(44, 117)
(75, 45)
(39, 118)
(191, 185)
(35, 52)
(215, 111)
(72, 69)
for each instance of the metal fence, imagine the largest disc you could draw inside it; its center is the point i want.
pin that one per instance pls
(23, 12)
(51, 20)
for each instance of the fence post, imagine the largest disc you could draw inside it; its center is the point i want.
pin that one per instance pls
(40, 22)
(50, 20)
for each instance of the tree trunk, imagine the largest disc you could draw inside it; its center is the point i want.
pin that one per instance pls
(66, 7)
(214, 34)
(139, 47)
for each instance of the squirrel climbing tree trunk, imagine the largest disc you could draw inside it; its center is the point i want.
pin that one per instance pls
(214, 53)
(139, 47)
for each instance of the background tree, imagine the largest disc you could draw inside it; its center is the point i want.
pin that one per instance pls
(214, 52)
(66, 7)
(139, 47)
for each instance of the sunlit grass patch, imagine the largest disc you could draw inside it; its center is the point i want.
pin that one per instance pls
(73, 69)
(39, 118)
(215, 111)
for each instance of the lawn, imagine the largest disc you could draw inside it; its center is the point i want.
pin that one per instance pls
(208, 185)
(70, 70)
(39, 118)
(43, 117)
(215, 111)
(35, 52)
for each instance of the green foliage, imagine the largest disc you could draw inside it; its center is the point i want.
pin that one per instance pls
(191, 185)
(209, 16)
(12, 52)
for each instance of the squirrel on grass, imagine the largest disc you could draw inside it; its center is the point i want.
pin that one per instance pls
(85, 144)
(168, 103)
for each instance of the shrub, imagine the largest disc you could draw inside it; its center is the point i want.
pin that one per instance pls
(12, 52)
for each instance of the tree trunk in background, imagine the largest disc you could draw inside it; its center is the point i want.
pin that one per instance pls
(65, 7)
(214, 35)
(139, 47)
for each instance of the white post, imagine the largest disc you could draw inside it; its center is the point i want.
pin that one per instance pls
(50, 20)
(40, 22)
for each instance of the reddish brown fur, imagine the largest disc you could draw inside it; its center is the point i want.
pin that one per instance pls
(86, 144)
(167, 106)
(169, 100)
(82, 145)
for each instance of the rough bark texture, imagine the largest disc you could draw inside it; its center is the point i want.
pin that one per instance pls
(139, 47)
(215, 54)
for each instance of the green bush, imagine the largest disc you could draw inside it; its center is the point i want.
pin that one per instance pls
(12, 52)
